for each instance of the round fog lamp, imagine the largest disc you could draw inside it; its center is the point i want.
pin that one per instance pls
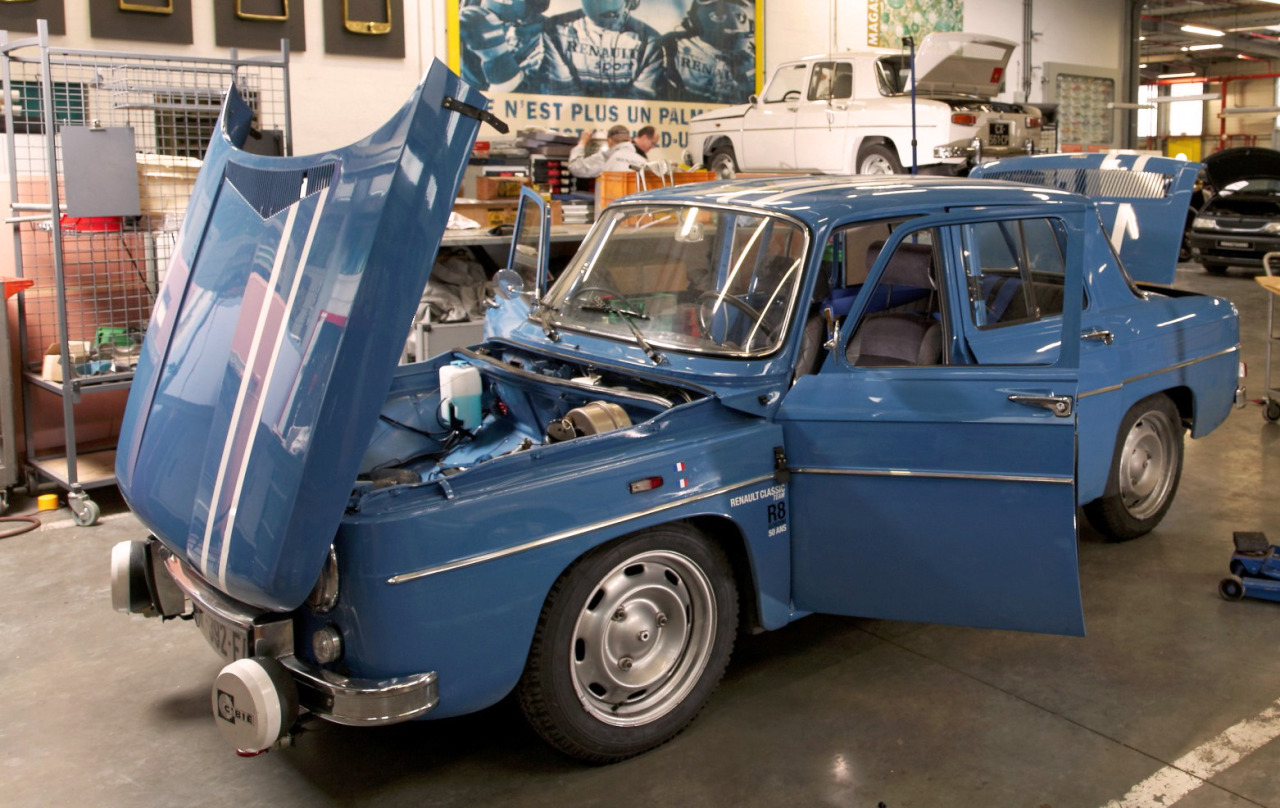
(326, 645)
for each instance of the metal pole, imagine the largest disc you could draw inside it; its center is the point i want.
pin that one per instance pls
(910, 42)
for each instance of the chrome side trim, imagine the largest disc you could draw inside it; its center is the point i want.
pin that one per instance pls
(939, 475)
(569, 534)
(1179, 366)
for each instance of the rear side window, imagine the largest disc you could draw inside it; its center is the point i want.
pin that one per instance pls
(831, 81)
(1015, 270)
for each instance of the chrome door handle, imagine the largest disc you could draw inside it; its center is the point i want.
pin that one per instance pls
(1099, 335)
(1060, 406)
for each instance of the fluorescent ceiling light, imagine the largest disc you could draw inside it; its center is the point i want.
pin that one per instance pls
(1196, 29)
(1212, 46)
(1175, 75)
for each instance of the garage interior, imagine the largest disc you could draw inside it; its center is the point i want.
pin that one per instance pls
(1172, 697)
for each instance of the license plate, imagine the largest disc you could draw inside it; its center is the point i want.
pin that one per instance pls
(998, 134)
(1236, 245)
(229, 640)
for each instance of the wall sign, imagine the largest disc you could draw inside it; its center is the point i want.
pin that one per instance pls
(888, 21)
(22, 15)
(364, 28)
(260, 24)
(141, 20)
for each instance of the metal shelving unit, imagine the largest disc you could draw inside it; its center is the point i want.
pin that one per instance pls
(96, 274)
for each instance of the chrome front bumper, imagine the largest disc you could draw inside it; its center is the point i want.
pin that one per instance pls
(333, 697)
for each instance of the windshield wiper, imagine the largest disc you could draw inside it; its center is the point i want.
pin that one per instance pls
(629, 317)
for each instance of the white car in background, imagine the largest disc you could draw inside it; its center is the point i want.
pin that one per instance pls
(850, 113)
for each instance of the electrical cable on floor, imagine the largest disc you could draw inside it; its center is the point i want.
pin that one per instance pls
(32, 524)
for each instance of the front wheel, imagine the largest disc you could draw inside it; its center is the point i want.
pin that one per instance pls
(723, 162)
(1145, 470)
(631, 642)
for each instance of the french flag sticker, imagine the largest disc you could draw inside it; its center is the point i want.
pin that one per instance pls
(684, 482)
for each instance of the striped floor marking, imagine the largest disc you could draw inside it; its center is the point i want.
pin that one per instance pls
(1193, 769)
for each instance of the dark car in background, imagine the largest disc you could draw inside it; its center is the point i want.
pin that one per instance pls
(1240, 222)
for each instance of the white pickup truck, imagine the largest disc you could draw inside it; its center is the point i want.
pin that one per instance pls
(850, 113)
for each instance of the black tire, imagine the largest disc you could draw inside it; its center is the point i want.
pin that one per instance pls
(1231, 588)
(1271, 411)
(1145, 469)
(632, 640)
(878, 160)
(1214, 269)
(723, 162)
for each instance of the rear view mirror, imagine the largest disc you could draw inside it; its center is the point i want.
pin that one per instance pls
(508, 283)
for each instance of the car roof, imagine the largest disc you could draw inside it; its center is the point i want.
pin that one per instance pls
(820, 199)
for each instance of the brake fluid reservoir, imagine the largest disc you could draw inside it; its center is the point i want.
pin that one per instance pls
(460, 393)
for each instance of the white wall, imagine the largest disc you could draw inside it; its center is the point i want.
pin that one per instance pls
(338, 99)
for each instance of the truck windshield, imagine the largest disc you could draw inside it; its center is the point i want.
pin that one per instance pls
(685, 278)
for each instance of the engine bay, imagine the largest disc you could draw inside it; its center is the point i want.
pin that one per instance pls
(470, 407)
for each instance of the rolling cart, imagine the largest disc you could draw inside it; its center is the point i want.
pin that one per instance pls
(1270, 282)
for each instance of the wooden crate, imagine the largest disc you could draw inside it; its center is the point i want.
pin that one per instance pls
(613, 184)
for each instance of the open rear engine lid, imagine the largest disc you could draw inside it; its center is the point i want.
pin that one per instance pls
(275, 336)
(963, 64)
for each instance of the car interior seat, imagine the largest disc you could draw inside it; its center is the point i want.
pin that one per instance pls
(901, 336)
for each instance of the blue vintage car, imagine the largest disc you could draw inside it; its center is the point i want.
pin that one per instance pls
(740, 403)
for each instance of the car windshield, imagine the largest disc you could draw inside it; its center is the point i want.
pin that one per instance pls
(684, 278)
(1254, 186)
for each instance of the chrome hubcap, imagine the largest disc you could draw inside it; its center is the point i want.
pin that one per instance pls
(642, 641)
(1147, 465)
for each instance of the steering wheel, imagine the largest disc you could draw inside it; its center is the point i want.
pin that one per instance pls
(706, 305)
(791, 95)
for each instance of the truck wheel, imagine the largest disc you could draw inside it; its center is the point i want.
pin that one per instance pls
(723, 162)
(631, 642)
(1145, 470)
(879, 160)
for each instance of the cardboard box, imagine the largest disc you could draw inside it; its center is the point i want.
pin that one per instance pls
(501, 211)
(51, 370)
(500, 187)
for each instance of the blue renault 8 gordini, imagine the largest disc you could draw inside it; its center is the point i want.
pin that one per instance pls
(741, 402)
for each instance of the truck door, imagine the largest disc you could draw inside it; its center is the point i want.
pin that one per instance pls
(768, 127)
(822, 119)
(925, 486)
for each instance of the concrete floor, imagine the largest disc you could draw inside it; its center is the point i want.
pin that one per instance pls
(100, 709)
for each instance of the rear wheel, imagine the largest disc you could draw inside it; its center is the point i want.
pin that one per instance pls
(1214, 269)
(1145, 471)
(879, 160)
(1231, 588)
(723, 162)
(631, 642)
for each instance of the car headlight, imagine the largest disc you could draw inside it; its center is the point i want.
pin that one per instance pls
(1204, 223)
(1271, 227)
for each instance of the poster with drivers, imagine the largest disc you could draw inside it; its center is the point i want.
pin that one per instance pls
(579, 64)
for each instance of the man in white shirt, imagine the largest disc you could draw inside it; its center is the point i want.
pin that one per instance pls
(620, 155)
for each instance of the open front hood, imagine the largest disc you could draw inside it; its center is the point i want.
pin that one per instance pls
(1142, 200)
(1243, 163)
(965, 64)
(276, 334)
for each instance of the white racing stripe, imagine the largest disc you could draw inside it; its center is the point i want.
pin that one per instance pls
(267, 378)
(1193, 769)
(233, 429)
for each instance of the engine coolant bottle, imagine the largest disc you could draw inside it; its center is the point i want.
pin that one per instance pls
(460, 393)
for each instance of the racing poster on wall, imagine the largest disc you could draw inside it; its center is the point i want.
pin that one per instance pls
(888, 21)
(590, 64)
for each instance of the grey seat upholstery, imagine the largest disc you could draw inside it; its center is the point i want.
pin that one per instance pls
(901, 337)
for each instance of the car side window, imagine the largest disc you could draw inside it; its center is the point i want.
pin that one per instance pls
(1015, 270)
(902, 322)
(831, 81)
(787, 84)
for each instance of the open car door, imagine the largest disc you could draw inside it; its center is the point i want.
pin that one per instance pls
(937, 492)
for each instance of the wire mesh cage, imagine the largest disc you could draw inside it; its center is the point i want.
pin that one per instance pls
(103, 152)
